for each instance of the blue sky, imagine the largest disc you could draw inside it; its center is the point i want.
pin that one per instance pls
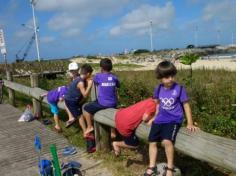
(87, 27)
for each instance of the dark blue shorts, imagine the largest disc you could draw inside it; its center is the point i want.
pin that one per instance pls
(131, 140)
(74, 107)
(94, 107)
(163, 131)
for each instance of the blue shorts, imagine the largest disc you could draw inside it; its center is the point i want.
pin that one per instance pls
(163, 131)
(131, 140)
(94, 107)
(54, 108)
(74, 107)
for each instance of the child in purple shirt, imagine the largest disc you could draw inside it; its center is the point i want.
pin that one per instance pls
(173, 102)
(107, 84)
(53, 97)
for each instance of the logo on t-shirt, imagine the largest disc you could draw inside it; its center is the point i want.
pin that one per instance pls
(174, 93)
(108, 84)
(109, 78)
(167, 103)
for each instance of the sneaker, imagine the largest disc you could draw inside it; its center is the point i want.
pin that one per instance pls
(69, 151)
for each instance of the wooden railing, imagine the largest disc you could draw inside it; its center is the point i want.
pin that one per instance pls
(217, 150)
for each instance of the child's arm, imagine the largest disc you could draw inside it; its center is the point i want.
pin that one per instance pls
(148, 118)
(85, 91)
(188, 114)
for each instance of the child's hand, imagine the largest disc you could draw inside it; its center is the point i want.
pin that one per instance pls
(43, 95)
(192, 128)
(90, 82)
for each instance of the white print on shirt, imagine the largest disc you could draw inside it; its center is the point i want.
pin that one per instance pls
(174, 93)
(109, 78)
(109, 84)
(168, 102)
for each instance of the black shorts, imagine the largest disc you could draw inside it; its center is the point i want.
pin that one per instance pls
(94, 107)
(131, 140)
(163, 131)
(74, 107)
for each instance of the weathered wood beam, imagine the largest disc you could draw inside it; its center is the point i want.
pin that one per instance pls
(32, 92)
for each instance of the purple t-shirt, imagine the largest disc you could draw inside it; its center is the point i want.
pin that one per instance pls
(54, 95)
(107, 84)
(171, 100)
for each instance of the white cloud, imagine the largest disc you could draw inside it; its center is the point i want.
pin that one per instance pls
(223, 10)
(75, 14)
(71, 32)
(138, 20)
(47, 39)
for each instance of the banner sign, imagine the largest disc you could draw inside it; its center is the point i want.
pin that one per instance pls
(2, 43)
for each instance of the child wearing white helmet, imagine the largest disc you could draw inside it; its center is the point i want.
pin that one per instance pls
(73, 73)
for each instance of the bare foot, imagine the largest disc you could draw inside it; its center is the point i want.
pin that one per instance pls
(169, 173)
(113, 135)
(88, 130)
(116, 149)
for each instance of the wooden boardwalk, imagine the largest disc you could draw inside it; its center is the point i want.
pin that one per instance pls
(17, 154)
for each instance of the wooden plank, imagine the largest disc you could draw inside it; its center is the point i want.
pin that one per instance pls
(17, 154)
(200, 145)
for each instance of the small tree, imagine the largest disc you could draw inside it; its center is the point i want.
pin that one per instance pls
(189, 59)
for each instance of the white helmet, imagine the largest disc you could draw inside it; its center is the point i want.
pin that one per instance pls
(73, 66)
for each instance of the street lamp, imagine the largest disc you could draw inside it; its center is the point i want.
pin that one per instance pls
(33, 3)
(151, 36)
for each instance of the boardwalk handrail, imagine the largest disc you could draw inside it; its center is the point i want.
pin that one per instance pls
(200, 145)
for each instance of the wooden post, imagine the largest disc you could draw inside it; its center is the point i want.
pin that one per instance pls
(97, 136)
(11, 92)
(102, 137)
(102, 132)
(34, 81)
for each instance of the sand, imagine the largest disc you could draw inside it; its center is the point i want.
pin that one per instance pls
(227, 64)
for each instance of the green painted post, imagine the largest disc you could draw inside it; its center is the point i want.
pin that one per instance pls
(56, 164)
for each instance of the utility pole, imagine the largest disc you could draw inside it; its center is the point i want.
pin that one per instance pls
(232, 38)
(196, 36)
(151, 36)
(218, 36)
(33, 3)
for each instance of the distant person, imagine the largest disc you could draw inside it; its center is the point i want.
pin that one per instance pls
(77, 91)
(54, 96)
(107, 84)
(173, 102)
(128, 119)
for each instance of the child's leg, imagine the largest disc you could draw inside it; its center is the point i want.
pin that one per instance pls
(117, 145)
(82, 124)
(88, 118)
(152, 154)
(152, 157)
(56, 119)
(71, 117)
(113, 133)
(169, 150)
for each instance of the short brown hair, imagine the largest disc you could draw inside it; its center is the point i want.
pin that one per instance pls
(106, 64)
(165, 69)
(86, 68)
